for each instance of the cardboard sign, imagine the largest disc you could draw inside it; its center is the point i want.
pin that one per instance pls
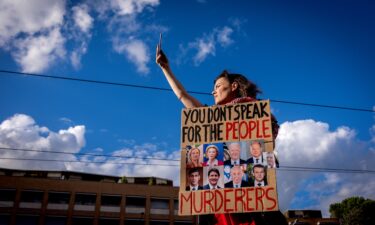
(227, 160)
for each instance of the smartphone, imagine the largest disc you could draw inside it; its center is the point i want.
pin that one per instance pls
(159, 45)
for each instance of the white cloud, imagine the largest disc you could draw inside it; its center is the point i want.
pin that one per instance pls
(223, 36)
(18, 16)
(39, 33)
(206, 45)
(30, 30)
(137, 160)
(136, 51)
(21, 132)
(82, 18)
(35, 32)
(77, 53)
(36, 53)
(80, 32)
(128, 7)
(308, 143)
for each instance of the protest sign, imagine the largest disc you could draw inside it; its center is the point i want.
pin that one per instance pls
(227, 161)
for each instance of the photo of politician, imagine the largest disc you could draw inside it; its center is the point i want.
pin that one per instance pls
(256, 150)
(213, 178)
(237, 173)
(213, 154)
(260, 175)
(194, 181)
(271, 162)
(194, 156)
(234, 149)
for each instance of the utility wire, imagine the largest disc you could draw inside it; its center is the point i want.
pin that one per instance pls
(284, 168)
(89, 162)
(168, 89)
(294, 168)
(86, 154)
(287, 168)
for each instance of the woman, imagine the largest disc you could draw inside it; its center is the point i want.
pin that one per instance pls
(194, 158)
(211, 154)
(228, 89)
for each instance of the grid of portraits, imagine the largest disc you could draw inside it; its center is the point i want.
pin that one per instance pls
(228, 165)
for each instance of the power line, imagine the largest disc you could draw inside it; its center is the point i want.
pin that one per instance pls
(89, 162)
(286, 168)
(320, 169)
(86, 154)
(282, 168)
(168, 89)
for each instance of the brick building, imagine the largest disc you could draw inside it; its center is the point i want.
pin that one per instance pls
(308, 217)
(69, 198)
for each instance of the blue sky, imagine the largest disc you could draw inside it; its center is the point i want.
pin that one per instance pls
(304, 51)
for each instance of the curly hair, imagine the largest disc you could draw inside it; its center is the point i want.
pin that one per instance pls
(246, 88)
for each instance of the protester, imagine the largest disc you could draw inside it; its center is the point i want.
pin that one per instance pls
(228, 89)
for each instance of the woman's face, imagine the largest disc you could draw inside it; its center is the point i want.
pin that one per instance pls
(211, 153)
(224, 92)
(194, 155)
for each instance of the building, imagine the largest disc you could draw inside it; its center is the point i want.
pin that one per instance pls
(308, 217)
(69, 198)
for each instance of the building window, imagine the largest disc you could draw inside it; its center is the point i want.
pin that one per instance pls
(135, 204)
(109, 221)
(58, 200)
(175, 206)
(159, 206)
(82, 221)
(27, 220)
(7, 197)
(31, 199)
(159, 222)
(183, 223)
(55, 220)
(134, 222)
(85, 202)
(4, 219)
(110, 203)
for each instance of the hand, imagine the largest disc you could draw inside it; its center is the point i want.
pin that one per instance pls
(161, 58)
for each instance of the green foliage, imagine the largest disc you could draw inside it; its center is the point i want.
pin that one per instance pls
(354, 211)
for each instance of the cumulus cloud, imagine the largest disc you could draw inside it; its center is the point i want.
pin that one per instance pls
(206, 45)
(35, 32)
(31, 32)
(21, 132)
(127, 30)
(42, 32)
(223, 36)
(28, 17)
(128, 7)
(80, 32)
(309, 143)
(36, 53)
(82, 18)
(135, 51)
(144, 160)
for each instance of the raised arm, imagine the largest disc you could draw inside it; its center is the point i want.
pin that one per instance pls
(187, 100)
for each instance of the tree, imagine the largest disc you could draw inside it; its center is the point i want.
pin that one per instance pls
(354, 211)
